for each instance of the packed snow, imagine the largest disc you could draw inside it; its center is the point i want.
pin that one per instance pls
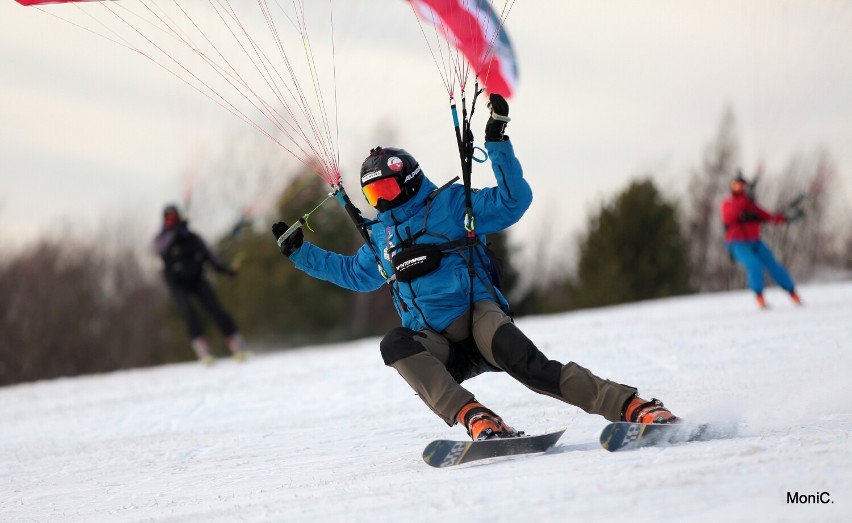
(331, 434)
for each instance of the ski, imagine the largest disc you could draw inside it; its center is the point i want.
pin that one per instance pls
(624, 435)
(447, 453)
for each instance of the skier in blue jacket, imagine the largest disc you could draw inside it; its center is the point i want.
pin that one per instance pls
(454, 319)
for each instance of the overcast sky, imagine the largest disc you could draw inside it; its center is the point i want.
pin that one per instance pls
(90, 131)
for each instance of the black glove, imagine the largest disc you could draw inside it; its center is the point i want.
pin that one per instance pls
(496, 125)
(292, 243)
(748, 216)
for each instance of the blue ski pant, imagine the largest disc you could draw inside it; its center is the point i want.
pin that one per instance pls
(756, 258)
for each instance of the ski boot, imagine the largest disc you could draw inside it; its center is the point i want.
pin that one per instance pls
(202, 351)
(795, 298)
(237, 347)
(637, 410)
(481, 423)
(761, 302)
(243, 355)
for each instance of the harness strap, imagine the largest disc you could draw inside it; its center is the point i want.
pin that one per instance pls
(409, 242)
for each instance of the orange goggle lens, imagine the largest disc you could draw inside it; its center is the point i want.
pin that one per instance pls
(387, 189)
(737, 186)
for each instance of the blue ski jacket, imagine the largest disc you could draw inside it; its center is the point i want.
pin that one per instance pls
(436, 299)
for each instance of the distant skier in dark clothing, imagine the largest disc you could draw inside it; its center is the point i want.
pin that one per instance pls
(743, 218)
(184, 256)
(455, 322)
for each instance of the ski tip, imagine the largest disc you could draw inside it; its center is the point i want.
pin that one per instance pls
(447, 453)
(623, 435)
(610, 439)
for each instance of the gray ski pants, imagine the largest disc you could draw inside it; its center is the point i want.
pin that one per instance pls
(435, 364)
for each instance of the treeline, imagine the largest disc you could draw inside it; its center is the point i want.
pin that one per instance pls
(71, 307)
(68, 307)
(645, 244)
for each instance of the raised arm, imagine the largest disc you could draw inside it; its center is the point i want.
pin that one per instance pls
(496, 208)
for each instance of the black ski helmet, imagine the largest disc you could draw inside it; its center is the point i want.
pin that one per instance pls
(390, 162)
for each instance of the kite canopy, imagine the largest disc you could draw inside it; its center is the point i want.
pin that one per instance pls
(473, 28)
(40, 2)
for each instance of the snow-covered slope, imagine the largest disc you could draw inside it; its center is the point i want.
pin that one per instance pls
(330, 434)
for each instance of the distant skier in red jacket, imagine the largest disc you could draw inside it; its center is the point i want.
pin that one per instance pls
(743, 218)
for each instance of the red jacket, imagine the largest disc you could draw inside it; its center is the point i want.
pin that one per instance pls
(742, 218)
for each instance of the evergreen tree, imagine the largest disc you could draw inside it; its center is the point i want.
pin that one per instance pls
(633, 250)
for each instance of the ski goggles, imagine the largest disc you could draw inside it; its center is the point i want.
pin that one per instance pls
(386, 189)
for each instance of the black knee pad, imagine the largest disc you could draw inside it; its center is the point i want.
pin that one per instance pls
(522, 360)
(400, 343)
